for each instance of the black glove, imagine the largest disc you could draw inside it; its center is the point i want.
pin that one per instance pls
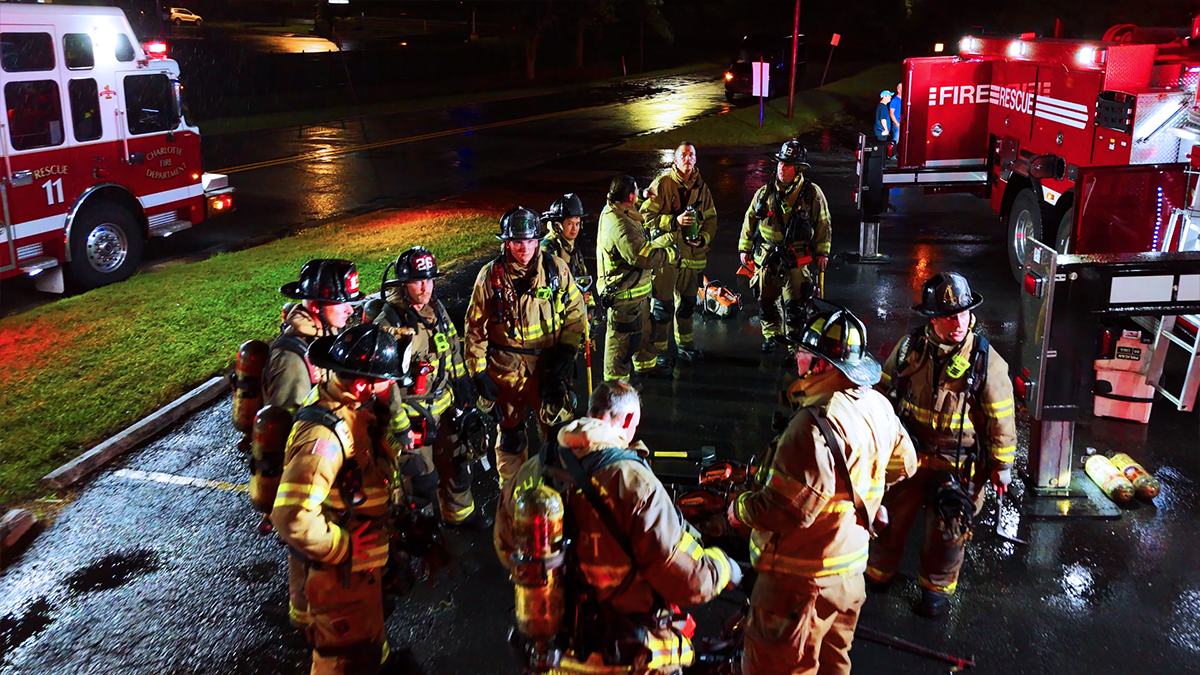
(562, 363)
(464, 393)
(486, 387)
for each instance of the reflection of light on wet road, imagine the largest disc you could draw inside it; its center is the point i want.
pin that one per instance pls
(289, 45)
(1077, 586)
(1185, 631)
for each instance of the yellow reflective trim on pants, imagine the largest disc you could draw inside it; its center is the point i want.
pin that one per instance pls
(879, 576)
(386, 651)
(773, 562)
(948, 590)
(641, 366)
(459, 515)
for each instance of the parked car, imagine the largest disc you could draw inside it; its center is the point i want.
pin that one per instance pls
(773, 48)
(180, 16)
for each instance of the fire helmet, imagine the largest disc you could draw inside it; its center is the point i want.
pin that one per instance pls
(413, 265)
(840, 338)
(566, 206)
(366, 350)
(791, 152)
(333, 281)
(520, 223)
(946, 294)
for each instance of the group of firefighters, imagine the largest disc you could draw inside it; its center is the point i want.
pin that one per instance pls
(382, 412)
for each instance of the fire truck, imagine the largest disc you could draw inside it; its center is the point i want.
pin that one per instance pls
(98, 155)
(1089, 152)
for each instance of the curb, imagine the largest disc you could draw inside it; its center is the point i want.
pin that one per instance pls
(14, 526)
(72, 472)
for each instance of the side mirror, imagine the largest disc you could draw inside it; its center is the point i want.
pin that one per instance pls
(1047, 166)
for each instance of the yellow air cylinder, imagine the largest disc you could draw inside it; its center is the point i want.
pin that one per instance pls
(1145, 485)
(247, 388)
(1110, 479)
(267, 451)
(538, 558)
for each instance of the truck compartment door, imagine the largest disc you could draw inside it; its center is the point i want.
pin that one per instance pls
(945, 119)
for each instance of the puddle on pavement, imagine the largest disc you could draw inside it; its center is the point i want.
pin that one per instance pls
(112, 571)
(15, 630)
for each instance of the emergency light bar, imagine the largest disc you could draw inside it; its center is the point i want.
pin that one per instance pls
(1028, 47)
(156, 49)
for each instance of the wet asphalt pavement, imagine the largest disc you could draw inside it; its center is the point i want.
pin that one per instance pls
(292, 177)
(144, 576)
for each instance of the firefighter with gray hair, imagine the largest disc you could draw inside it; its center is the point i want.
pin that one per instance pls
(952, 391)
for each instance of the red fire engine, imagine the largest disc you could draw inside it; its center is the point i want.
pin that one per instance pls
(1080, 144)
(97, 153)
(1089, 151)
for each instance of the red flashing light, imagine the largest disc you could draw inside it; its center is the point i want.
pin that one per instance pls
(156, 49)
(1033, 284)
(1108, 343)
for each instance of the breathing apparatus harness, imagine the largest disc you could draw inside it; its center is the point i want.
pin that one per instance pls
(797, 229)
(507, 297)
(951, 492)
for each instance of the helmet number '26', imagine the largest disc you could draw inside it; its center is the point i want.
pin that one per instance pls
(53, 189)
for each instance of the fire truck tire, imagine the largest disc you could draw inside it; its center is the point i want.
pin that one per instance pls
(106, 245)
(1062, 240)
(1024, 223)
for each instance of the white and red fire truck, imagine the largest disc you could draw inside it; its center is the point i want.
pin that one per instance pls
(97, 153)
(1089, 151)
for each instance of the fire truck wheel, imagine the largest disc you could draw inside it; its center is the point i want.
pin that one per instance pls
(1062, 241)
(1024, 224)
(106, 245)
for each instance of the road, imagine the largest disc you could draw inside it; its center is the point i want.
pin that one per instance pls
(292, 177)
(141, 574)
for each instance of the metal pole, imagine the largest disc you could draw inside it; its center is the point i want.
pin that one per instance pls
(762, 87)
(827, 61)
(795, 48)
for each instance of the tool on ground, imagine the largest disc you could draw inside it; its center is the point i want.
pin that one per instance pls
(1001, 530)
(886, 640)
(717, 299)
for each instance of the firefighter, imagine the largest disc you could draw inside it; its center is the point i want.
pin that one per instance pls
(635, 560)
(786, 227)
(625, 259)
(441, 391)
(523, 326)
(815, 508)
(952, 391)
(565, 217)
(333, 500)
(325, 290)
(680, 203)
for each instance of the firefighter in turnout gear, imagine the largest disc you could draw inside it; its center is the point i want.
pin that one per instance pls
(325, 290)
(786, 228)
(680, 203)
(632, 562)
(952, 391)
(816, 503)
(523, 327)
(565, 217)
(626, 257)
(333, 501)
(440, 389)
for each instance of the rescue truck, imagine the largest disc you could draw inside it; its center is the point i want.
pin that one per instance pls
(98, 155)
(1089, 152)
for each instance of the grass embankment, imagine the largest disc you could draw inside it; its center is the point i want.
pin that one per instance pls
(313, 116)
(813, 108)
(76, 371)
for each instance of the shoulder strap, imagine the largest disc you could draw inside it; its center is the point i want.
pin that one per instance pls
(443, 318)
(583, 481)
(839, 461)
(900, 381)
(550, 267)
(292, 344)
(979, 365)
(319, 414)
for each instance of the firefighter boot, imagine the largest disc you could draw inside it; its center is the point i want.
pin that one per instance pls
(510, 454)
(689, 353)
(476, 522)
(933, 604)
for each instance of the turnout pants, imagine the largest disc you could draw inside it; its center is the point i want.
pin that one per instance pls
(802, 626)
(439, 469)
(347, 622)
(782, 294)
(941, 560)
(519, 386)
(674, 303)
(627, 343)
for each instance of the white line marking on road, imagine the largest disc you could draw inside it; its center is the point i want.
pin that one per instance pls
(170, 479)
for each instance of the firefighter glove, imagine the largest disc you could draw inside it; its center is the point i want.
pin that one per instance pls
(735, 572)
(464, 393)
(672, 255)
(487, 389)
(664, 240)
(562, 363)
(1001, 477)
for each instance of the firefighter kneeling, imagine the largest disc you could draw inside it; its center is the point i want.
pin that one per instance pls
(608, 601)
(333, 501)
(814, 510)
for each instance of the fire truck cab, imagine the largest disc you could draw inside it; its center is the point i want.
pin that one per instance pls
(97, 152)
